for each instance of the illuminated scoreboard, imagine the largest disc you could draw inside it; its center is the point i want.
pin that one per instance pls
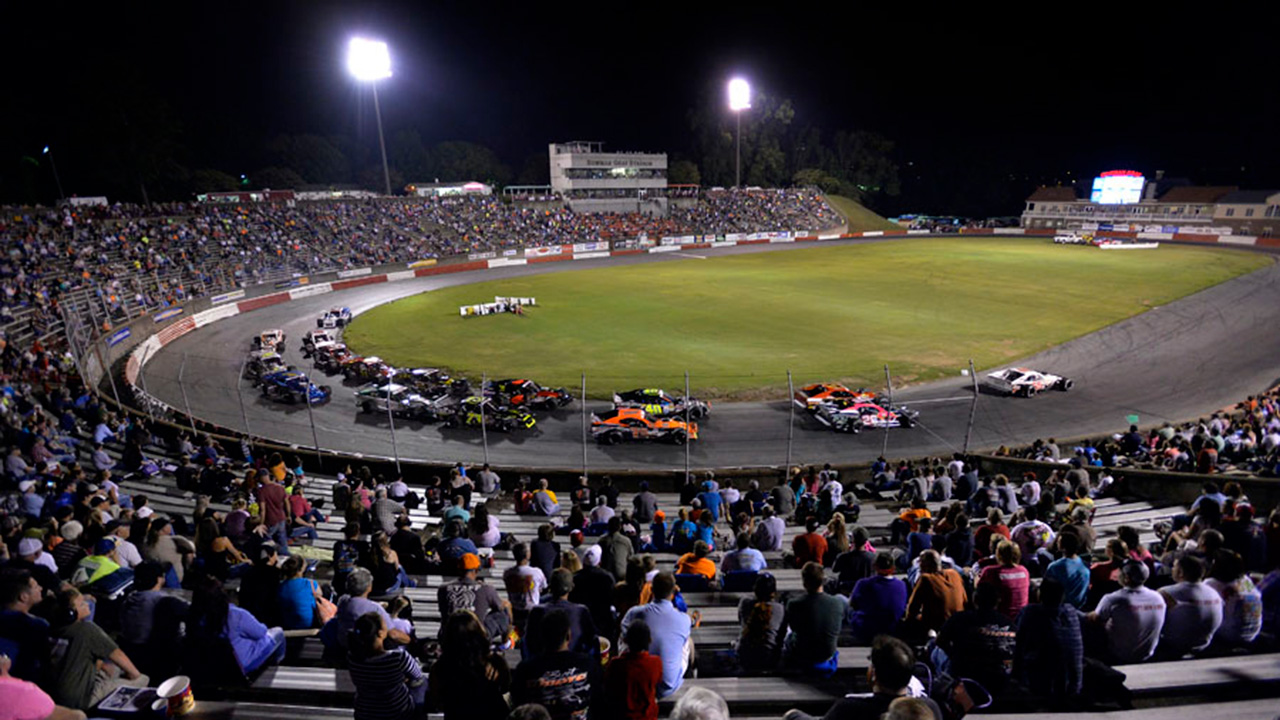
(1117, 187)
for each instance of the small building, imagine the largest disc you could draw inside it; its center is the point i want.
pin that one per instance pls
(439, 189)
(1249, 212)
(592, 180)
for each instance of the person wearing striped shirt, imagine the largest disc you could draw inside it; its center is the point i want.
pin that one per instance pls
(389, 684)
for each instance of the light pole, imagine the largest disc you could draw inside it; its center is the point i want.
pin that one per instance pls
(369, 61)
(739, 100)
(56, 179)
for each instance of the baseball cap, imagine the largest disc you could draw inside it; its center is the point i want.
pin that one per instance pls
(104, 546)
(29, 546)
(470, 561)
(591, 558)
(26, 485)
(659, 515)
(71, 530)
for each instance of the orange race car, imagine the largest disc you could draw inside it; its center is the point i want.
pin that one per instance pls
(810, 397)
(627, 424)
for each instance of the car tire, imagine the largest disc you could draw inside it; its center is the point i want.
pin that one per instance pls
(320, 324)
(367, 408)
(1066, 384)
(1030, 392)
(678, 437)
(905, 422)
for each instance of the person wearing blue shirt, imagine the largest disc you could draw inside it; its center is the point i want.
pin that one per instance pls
(711, 502)
(744, 557)
(1070, 571)
(683, 533)
(878, 602)
(706, 531)
(670, 632)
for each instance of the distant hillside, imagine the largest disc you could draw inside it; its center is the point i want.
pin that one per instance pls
(859, 218)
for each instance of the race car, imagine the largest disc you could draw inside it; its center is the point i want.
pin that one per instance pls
(852, 416)
(1071, 237)
(476, 411)
(1026, 382)
(262, 362)
(527, 393)
(269, 340)
(424, 381)
(334, 318)
(314, 339)
(810, 397)
(632, 424)
(330, 358)
(291, 386)
(396, 399)
(366, 369)
(656, 403)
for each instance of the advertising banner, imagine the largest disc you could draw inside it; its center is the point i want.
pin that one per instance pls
(542, 251)
(421, 264)
(355, 273)
(233, 295)
(118, 337)
(482, 255)
(170, 313)
(590, 247)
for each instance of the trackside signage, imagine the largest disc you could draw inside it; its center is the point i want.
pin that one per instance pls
(226, 297)
(310, 290)
(170, 313)
(354, 273)
(118, 337)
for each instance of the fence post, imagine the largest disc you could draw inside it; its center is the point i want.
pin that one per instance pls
(687, 439)
(973, 409)
(888, 382)
(582, 399)
(182, 386)
(315, 438)
(791, 421)
(102, 360)
(484, 431)
(240, 396)
(395, 449)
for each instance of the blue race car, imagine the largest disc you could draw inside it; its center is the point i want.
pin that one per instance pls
(291, 386)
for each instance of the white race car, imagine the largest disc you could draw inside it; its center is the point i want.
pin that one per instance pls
(334, 318)
(1026, 382)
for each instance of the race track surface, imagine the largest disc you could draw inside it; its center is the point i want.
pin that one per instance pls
(1176, 362)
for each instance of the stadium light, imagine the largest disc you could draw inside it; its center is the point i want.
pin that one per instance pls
(54, 165)
(739, 100)
(370, 61)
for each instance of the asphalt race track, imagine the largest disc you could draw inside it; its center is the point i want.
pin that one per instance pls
(1175, 362)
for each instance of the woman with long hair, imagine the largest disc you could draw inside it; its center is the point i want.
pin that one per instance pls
(483, 527)
(837, 538)
(389, 684)
(220, 556)
(761, 618)
(164, 547)
(470, 679)
(212, 614)
(388, 576)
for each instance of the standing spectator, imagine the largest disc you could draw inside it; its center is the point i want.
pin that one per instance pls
(273, 508)
(580, 621)
(565, 682)
(617, 549)
(645, 504)
(90, 666)
(390, 684)
(1070, 571)
(1012, 579)
(1193, 611)
(631, 680)
(814, 619)
(670, 630)
(469, 680)
(544, 553)
(1049, 655)
(810, 546)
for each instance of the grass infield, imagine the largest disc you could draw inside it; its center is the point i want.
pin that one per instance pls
(738, 323)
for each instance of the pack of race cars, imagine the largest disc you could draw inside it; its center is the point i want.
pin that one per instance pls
(430, 395)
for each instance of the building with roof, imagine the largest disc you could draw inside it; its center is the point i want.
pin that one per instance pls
(592, 180)
(1249, 212)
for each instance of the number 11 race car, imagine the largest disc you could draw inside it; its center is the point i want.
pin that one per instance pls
(1025, 382)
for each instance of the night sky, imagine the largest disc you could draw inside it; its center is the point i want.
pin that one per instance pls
(1006, 98)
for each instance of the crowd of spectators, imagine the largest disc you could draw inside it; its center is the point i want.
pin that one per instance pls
(132, 258)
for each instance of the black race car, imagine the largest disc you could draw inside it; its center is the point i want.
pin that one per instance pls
(657, 403)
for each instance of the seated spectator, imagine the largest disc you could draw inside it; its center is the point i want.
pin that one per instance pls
(978, 643)
(348, 553)
(892, 664)
(524, 584)
(299, 596)
(644, 504)
(631, 679)
(26, 701)
(19, 593)
(1012, 579)
(670, 630)
(918, 541)
(389, 577)
(151, 621)
(878, 602)
(89, 666)
(221, 559)
(484, 528)
(743, 557)
(1031, 536)
(697, 562)
(939, 593)
(407, 545)
(565, 682)
(457, 511)
(545, 502)
(1193, 611)
(857, 563)
(1049, 654)
(1132, 617)
(357, 603)
(389, 683)
(164, 547)
(468, 593)
(593, 588)
(958, 544)
(700, 703)
(1241, 602)
(454, 547)
(810, 546)
(986, 535)
(601, 513)
(212, 613)
(814, 620)
(759, 646)
(469, 681)
(583, 626)
(544, 553)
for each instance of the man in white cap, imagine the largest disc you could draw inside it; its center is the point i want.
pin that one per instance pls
(32, 557)
(32, 503)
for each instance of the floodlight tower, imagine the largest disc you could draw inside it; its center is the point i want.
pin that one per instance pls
(56, 179)
(739, 100)
(370, 61)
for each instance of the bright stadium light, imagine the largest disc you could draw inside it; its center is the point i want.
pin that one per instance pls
(370, 61)
(54, 165)
(739, 100)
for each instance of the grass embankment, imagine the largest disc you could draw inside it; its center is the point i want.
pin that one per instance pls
(860, 219)
(738, 323)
